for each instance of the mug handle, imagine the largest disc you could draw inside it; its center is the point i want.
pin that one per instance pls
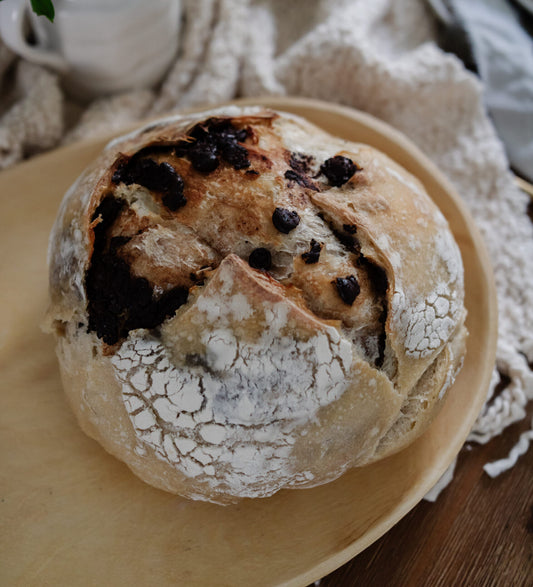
(13, 14)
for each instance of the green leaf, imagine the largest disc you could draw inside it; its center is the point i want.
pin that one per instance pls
(44, 8)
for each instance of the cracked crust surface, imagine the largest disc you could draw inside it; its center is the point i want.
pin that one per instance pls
(253, 380)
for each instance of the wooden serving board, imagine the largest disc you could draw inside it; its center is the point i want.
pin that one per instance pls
(73, 515)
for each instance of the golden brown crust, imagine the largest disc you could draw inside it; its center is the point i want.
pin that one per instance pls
(240, 379)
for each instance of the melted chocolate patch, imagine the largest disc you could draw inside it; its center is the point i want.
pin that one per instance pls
(301, 163)
(300, 179)
(117, 300)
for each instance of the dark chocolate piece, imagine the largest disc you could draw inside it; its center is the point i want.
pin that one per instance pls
(216, 139)
(260, 259)
(203, 157)
(338, 170)
(174, 200)
(347, 288)
(313, 254)
(235, 155)
(158, 177)
(241, 135)
(285, 220)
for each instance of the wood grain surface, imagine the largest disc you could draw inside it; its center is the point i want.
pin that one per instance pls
(70, 514)
(478, 532)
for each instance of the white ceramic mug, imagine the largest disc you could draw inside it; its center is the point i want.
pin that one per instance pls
(100, 46)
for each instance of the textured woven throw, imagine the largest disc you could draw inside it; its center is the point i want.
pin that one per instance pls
(380, 57)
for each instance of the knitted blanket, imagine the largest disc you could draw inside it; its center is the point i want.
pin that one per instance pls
(377, 56)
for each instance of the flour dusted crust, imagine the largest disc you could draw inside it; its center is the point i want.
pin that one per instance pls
(215, 377)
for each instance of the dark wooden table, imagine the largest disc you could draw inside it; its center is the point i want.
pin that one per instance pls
(479, 531)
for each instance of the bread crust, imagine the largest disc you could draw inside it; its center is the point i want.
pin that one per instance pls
(244, 380)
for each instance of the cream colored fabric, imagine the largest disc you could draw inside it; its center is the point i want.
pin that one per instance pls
(377, 56)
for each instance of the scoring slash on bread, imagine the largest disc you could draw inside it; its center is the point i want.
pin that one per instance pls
(244, 303)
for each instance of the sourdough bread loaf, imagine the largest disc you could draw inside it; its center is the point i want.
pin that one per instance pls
(243, 303)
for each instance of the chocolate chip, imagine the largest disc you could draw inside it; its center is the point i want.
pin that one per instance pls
(216, 139)
(349, 228)
(174, 200)
(141, 171)
(203, 157)
(241, 135)
(347, 288)
(168, 181)
(314, 253)
(148, 173)
(227, 137)
(235, 155)
(260, 258)
(159, 177)
(338, 170)
(285, 220)
(120, 174)
(166, 178)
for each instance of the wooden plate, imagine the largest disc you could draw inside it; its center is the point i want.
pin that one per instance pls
(73, 515)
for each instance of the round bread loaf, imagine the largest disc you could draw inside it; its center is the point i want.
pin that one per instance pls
(243, 303)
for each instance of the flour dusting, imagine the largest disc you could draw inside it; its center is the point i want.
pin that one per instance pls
(240, 409)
